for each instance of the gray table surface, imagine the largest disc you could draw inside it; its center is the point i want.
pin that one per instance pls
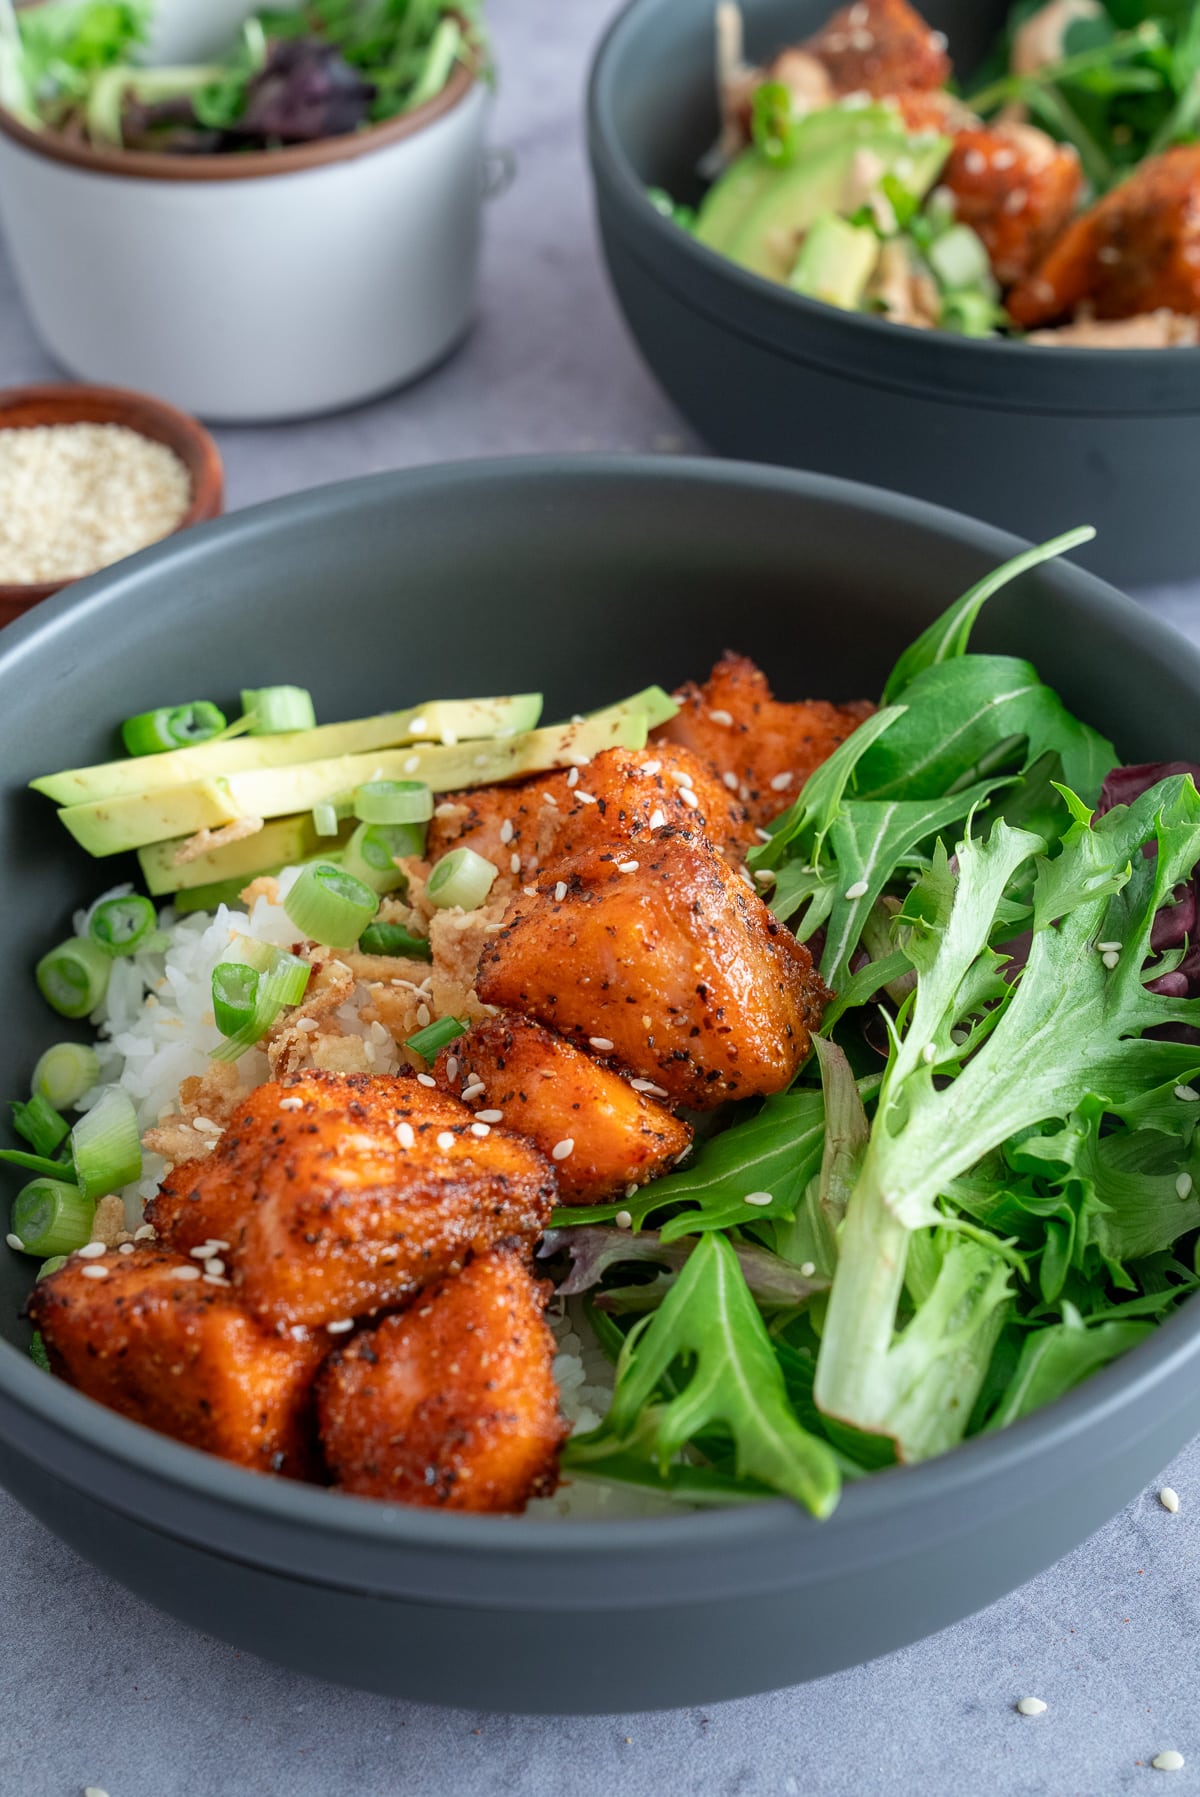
(98, 1689)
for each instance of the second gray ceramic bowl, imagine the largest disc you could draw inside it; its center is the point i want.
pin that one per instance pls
(587, 579)
(1031, 438)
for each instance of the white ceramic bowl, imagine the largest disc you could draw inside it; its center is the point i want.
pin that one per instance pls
(260, 286)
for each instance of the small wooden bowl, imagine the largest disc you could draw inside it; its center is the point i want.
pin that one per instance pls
(76, 402)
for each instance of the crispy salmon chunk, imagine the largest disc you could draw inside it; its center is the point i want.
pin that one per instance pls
(602, 1135)
(880, 47)
(1137, 250)
(340, 1195)
(1017, 188)
(670, 956)
(756, 743)
(146, 1334)
(453, 1403)
(523, 829)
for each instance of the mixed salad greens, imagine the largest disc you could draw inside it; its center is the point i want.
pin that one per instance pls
(296, 74)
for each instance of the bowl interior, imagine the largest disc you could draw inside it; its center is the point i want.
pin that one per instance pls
(664, 127)
(586, 580)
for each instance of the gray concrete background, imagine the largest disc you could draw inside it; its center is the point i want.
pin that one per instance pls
(98, 1689)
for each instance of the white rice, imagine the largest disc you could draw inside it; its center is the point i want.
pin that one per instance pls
(155, 1029)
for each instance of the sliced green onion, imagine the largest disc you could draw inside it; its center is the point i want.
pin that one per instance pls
(430, 1041)
(371, 853)
(37, 1351)
(65, 1072)
(73, 977)
(276, 709)
(40, 1124)
(248, 951)
(325, 819)
(234, 995)
(50, 1266)
(38, 1163)
(51, 1217)
(393, 802)
(123, 925)
(107, 1145)
(284, 983)
(327, 904)
(172, 727)
(394, 939)
(462, 878)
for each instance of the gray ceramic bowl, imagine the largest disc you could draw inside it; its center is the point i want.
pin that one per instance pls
(589, 579)
(1031, 438)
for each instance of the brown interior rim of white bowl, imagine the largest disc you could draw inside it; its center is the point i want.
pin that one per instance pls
(156, 165)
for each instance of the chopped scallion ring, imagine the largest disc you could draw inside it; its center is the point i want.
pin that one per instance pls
(325, 819)
(393, 802)
(234, 995)
(123, 925)
(430, 1041)
(462, 878)
(51, 1217)
(276, 709)
(283, 983)
(73, 977)
(394, 939)
(172, 727)
(372, 852)
(329, 905)
(40, 1124)
(65, 1072)
(107, 1145)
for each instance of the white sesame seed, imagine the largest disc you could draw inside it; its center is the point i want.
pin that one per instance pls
(1031, 1706)
(1168, 1761)
(929, 1053)
(573, 777)
(94, 1270)
(585, 798)
(1108, 253)
(652, 767)
(648, 1085)
(560, 892)
(689, 798)
(763, 835)
(446, 1140)
(681, 777)
(306, 1026)
(1187, 1094)
(404, 1135)
(1111, 961)
(15, 1242)
(765, 876)
(125, 1248)
(721, 717)
(1110, 948)
(184, 1273)
(807, 1268)
(92, 1251)
(202, 1252)
(628, 867)
(1183, 1186)
(561, 1151)
(631, 1190)
(216, 1266)
(506, 831)
(471, 1092)
(658, 818)
(858, 890)
(623, 1220)
(418, 726)
(214, 1279)
(601, 1044)
(514, 862)
(291, 1104)
(1168, 1497)
(412, 763)
(490, 1116)
(206, 1126)
(758, 1198)
(731, 781)
(452, 1066)
(144, 1232)
(426, 1079)
(340, 1326)
(481, 1129)
(216, 1244)
(781, 782)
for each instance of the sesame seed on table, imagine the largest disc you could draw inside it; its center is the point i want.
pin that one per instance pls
(103, 1692)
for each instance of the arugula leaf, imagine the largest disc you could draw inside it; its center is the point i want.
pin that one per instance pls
(1057, 1358)
(708, 1322)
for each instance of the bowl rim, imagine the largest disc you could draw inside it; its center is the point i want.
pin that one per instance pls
(1110, 1397)
(920, 347)
(156, 165)
(192, 443)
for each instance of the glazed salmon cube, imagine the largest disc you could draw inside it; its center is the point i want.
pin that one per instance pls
(753, 741)
(453, 1403)
(340, 1195)
(602, 1135)
(1017, 188)
(662, 949)
(880, 47)
(146, 1334)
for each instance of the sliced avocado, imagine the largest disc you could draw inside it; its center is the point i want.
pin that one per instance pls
(278, 844)
(832, 126)
(769, 239)
(107, 826)
(220, 892)
(442, 720)
(836, 261)
(730, 198)
(110, 826)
